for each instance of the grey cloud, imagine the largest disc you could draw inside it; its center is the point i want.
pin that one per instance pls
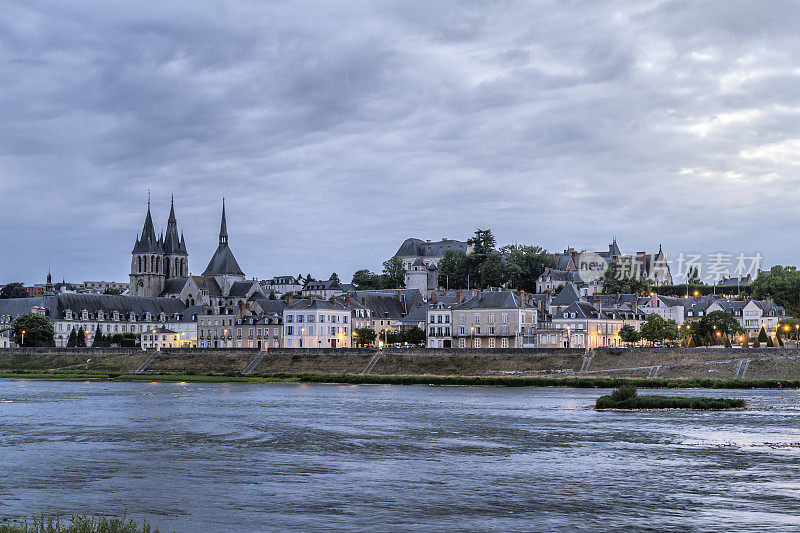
(336, 130)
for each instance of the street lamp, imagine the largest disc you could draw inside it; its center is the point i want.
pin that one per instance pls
(23, 338)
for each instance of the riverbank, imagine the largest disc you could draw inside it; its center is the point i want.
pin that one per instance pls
(672, 367)
(380, 379)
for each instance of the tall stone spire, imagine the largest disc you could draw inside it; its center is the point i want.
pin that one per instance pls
(223, 227)
(172, 240)
(148, 242)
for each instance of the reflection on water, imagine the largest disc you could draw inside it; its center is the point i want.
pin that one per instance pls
(252, 457)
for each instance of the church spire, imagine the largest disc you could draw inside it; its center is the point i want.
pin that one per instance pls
(148, 242)
(223, 227)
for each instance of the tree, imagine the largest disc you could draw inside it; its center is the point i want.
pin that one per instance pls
(414, 336)
(395, 271)
(762, 335)
(756, 344)
(13, 290)
(492, 271)
(38, 330)
(99, 340)
(80, 340)
(525, 264)
(623, 276)
(365, 336)
(628, 334)
(112, 291)
(454, 269)
(365, 280)
(745, 344)
(334, 277)
(73, 339)
(728, 342)
(770, 344)
(656, 328)
(483, 242)
(718, 321)
(782, 284)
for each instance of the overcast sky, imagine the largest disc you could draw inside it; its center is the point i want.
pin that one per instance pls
(335, 130)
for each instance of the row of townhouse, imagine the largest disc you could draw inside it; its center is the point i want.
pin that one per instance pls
(488, 319)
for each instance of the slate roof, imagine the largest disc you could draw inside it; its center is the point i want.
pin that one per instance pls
(57, 305)
(239, 289)
(737, 281)
(417, 247)
(317, 303)
(174, 285)
(567, 295)
(223, 262)
(491, 300)
(582, 310)
(268, 306)
(148, 242)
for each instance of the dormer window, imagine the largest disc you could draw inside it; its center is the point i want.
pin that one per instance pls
(99, 315)
(85, 315)
(148, 317)
(68, 314)
(116, 315)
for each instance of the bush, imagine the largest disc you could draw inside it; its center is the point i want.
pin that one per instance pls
(78, 524)
(624, 392)
(669, 402)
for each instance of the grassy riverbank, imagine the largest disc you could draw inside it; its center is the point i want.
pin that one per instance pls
(358, 379)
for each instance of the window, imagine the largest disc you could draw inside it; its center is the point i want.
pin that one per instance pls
(462, 319)
(462, 342)
(477, 318)
(289, 331)
(491, 342)
(310, 319)
(491, 318)
(504, 342)
(462, 330)
(504, 318)
(289, 318)
(299, 319)
(490, 330)
(477, 343)
(477, 330)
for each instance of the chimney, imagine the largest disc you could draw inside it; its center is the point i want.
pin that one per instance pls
(597, 303)
(363, 300)
(399, 294)
(311, 298)
(522, 298)
(289, 300)
(653, 300)
(635, 303)
(460, 294)
(433, 296)
(480, 295)
(348, 301)
(769, 301)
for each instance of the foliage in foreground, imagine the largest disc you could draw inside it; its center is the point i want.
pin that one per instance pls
(626, 397)
(78, 524)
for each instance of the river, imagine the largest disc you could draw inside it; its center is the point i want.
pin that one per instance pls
(257, 457)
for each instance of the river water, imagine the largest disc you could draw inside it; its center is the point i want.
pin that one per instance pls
(255, 457)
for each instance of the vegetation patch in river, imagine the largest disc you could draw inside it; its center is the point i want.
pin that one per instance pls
(77, 524)
(627, 397)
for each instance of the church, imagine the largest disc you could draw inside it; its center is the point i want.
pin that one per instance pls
(160, 268)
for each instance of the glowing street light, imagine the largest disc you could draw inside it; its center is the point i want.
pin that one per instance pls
(23, 338)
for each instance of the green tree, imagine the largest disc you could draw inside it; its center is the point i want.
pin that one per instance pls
(364, 280)
(395, 271)
(782, 284)
(693, 276)
(73, 339)
(718, 321)
(525, 264)
(492, 271)
(454, 269)
(623, 276)
(762, 335)
(728, 342)
(80, 340)
(414, 336)
(38, 330)
(656, 329)
(483, 242)
(99, 340)
(628, 334)
(112, 291)
(365, 336)
(334, 277)
(13, 290)
(745, 343)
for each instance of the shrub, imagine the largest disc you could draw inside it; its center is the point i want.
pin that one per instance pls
(669, 402)
(624, 392)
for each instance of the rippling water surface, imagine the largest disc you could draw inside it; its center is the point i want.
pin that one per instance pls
(254, 457)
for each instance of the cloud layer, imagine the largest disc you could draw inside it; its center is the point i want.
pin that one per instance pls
(336, 130)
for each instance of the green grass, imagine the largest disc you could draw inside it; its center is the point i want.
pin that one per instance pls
(626, 397)
(77, 524)
(378, 379)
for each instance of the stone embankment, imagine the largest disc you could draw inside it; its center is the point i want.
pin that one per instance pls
(665, 363)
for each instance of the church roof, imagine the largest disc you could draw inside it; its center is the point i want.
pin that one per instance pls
(223, 262)
(173, 243)
(148, 242)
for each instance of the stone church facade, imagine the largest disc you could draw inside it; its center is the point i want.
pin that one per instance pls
(160, 268)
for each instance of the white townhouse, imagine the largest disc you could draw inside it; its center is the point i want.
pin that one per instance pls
(316, 323)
